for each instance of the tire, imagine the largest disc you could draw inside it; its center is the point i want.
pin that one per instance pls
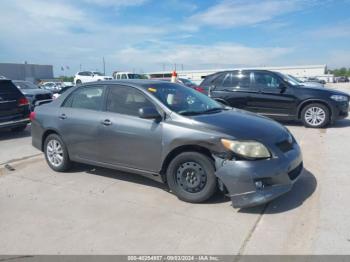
(63, 163)
(78, 82)
(191, 177)
(19, 128)
(315, 115)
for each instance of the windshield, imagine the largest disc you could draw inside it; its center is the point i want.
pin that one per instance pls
(25, 85)
(183, 100)
(135, 76)
(97, 73)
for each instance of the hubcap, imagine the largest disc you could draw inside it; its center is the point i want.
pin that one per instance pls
(315, 116)
(191, 177)
(54, 152)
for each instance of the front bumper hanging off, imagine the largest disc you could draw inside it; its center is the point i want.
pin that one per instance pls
(251, 183)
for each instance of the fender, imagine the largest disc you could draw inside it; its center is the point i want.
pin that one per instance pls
(314, 100)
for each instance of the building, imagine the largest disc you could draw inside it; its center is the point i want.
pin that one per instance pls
(28, 72)
(301, 72)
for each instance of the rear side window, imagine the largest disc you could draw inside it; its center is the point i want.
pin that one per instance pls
(7, 86)
(209, 80)
(235, 80)
(90, 97)
(126, 100)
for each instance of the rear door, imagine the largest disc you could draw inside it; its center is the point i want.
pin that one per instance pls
(272, 100)
(79, 121)
(9, 102)
(235, 88)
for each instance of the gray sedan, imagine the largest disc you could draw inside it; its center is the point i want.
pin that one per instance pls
(172, 134)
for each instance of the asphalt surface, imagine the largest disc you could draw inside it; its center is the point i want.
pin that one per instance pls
(99, 211)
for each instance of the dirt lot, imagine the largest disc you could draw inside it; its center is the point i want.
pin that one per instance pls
(100, 211)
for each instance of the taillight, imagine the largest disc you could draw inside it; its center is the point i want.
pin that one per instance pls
(199, 89)
(23, 101)
(32, 116)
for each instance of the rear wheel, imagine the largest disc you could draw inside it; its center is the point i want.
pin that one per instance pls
(56, 153)
(19, 128)
(315, 115)
(191, 177)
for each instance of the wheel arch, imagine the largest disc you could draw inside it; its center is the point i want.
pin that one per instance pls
(314, 101)
(45, 135)
(181, 149)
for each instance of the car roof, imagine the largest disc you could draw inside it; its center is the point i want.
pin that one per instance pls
(141, 83)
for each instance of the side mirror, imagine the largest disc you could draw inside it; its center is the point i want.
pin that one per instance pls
(282, 87)
(149, 113)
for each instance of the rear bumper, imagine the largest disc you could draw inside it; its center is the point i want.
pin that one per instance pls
(251, 183)
(15, 123)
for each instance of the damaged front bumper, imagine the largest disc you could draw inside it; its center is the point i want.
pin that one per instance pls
(252, 183)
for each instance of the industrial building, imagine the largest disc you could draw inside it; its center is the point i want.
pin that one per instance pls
(301, 72)
(28, 72)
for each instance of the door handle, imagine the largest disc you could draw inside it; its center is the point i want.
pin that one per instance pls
(106, 122)
(63, 116)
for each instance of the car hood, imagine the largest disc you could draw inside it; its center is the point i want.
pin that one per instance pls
(34, 91)
(243, 125)
(330, 91)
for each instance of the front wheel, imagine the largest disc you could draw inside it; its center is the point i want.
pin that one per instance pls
(315, 115)
(191, 177)
(56, 153)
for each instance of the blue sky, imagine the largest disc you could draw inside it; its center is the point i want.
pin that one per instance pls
(147, 35)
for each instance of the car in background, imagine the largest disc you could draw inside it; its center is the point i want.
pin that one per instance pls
(127, 75)
(305, 83)
(185, 82)
(53, 87)
(315, 80)
(89, 76)
(172, 134)
(59, 93)
(14, 107)
(341, 79)
(277, 96)
(33, 93)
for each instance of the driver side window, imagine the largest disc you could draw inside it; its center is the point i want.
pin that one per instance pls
(265, 80)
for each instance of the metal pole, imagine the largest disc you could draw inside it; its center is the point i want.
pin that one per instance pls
(104, 66)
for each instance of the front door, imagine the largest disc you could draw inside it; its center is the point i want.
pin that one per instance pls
(128, 140)
(272, 100)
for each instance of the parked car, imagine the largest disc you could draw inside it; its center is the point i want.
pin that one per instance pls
(59, 93)
(277, 96)
(33, 93)
(305, 83)
(128, 75)
(315, 80)
(185, 82)
(89, 76)
(341, 79)
(172, 134)
(53, 87)
(14, 107)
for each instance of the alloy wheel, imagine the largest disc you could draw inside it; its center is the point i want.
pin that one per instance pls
(54, 152)
(315, 116)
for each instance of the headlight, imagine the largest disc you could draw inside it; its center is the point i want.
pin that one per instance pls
(339, 98)
(250, 149)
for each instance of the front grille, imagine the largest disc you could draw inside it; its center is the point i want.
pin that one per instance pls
(295, 172)
(43, 97)
(285, 146)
